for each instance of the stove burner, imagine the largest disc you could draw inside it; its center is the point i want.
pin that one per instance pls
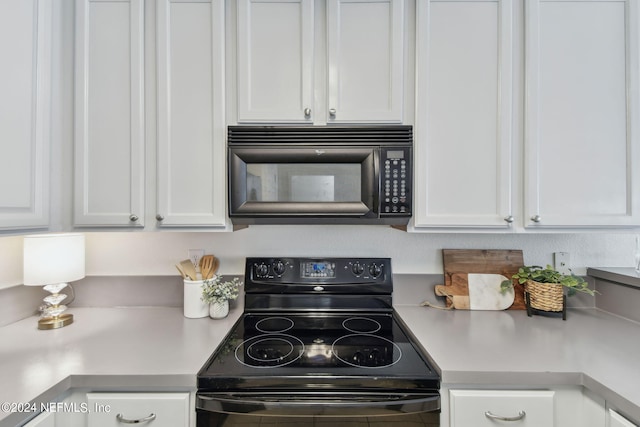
(274, 324)
(366, 351)
(269, 351)
(361, 325)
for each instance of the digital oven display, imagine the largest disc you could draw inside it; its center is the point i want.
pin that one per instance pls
(316, 269)
(395, 154)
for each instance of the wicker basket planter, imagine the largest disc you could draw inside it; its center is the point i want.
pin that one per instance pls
(545, 296)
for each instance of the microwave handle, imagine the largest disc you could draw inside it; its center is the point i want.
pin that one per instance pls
(377, 156)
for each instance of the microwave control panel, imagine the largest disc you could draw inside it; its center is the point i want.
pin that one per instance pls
(395, 177)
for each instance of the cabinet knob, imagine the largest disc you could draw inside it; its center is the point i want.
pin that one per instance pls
(307, 112)
(536, 218)
(332, 113)
(518, 417)
(133, 217)
(123, 420)
(159, 217)
(509, 219)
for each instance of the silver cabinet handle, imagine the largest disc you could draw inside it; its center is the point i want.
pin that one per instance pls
(536, 218)
(332, 113)
(491, 416)
(133, 217)
(509, 219)
(159, 217)
(146, 419)
(307, 112)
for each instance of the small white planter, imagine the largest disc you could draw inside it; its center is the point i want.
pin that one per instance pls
(219, 310)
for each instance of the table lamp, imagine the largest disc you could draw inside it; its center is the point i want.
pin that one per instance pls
(53, 260)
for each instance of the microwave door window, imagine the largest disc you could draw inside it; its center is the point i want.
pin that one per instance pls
(304, 182)
(313, 188)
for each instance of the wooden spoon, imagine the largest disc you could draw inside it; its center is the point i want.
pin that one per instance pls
(189, 269)
(206, 263)
(182, 273)
(215, 266)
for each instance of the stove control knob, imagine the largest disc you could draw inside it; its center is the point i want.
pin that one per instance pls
(357, 268)
(262, 270)
(375, 270)
(278, 268)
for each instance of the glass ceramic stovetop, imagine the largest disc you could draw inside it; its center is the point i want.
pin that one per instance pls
(318, 349)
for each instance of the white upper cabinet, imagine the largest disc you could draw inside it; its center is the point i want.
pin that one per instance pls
(25, 88)
(298, 61)
(109, 113)
(275, 60)
(191, 131)
(581, 114)
(365, 60)
(463, 119)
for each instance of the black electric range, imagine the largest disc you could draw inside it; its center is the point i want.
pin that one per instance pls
(318, 337)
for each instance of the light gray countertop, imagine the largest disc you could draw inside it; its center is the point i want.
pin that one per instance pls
(625, 275)
(506, 348)
(138, 348)
(121, 348)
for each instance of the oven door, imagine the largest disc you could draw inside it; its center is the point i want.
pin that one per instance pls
(336, 409)
(302, 182)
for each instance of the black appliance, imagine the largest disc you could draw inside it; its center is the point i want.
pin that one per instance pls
(320, 174)
(318, 340)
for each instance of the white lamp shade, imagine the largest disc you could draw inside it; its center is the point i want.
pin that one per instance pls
(53, 258)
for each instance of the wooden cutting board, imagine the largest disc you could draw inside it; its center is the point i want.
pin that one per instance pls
(459, 263)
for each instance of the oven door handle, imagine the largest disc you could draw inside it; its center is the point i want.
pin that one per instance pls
(306, 403)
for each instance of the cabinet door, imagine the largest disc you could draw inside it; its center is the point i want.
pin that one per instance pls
(617, 420)
(463, 114)
(479, 408)
(582, 151)
(275, 60)
(25, 48)
(157, 409)
(365, 60)
(109, 113)
(46, 419)
(191, 130)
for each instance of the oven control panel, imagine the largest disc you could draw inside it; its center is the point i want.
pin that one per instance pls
(396, 175)
(318, 270)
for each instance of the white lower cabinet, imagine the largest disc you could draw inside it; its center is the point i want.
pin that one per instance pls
(46, 419)
(614, 419)
(149, 409)
(479, 408)
(554, 407)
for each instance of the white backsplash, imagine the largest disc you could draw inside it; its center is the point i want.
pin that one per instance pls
(155, 253)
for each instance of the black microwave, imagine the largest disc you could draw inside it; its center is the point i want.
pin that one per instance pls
(320, 174)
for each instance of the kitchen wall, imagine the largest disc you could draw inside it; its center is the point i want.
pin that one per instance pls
(155, 253)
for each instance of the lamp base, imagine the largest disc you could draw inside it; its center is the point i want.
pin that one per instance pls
(55, 322)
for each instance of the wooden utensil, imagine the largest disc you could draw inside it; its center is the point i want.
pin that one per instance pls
(215, 266)
(182, 273)
(206, 264)
(458, 263)
(189, 269)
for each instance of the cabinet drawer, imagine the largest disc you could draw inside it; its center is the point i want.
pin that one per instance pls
(170, 409)
(617, 420)
(475, 408)
(46, 419)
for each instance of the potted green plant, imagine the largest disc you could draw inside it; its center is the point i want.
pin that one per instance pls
(545, 286)
(217, 292)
